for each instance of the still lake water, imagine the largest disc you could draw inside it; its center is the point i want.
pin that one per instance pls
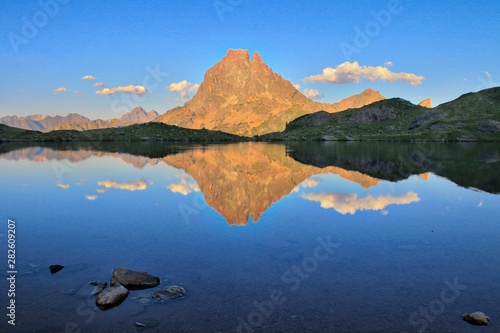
(317, 237)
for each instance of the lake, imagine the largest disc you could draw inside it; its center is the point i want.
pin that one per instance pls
(298, 237)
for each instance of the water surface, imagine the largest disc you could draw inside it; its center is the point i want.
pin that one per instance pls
(331, 237)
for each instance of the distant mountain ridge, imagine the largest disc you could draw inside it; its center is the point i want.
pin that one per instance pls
(39, 122)
(74, 121)
(136, 116)
(245, 97)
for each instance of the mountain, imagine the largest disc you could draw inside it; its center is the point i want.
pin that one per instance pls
(426, 103)
(74, 121)
(245, 97)
(367, 97)
(41, 123)
(471, 117)
(136, 116)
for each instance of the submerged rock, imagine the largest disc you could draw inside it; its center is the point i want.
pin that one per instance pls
(133, 280)
(170, 292)
(111, 297)
(99, 287)
(55, 268)
(476, 318)
(144, 299)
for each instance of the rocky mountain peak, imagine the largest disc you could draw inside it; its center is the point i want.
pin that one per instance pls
(427, 103)
(245, 97)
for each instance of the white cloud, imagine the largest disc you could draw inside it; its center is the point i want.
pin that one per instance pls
(297, 86)
(313, 93)
(88, 77)
(99, 84)
(348, 72)
(78, 93)
(488, 74)
(130, 89)
(91, 197)
(389, 64)
(183, 88)
(60, 90)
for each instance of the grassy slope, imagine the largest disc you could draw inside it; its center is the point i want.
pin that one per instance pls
(470, 117)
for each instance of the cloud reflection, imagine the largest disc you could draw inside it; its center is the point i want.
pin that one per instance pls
(184, 187)
(137, 185)
(62, 185)
(350, 203)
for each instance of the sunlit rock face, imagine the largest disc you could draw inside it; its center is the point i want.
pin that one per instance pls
(426, 103)
(244, 96)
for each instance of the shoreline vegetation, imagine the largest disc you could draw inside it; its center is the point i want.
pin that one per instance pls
(473, 117)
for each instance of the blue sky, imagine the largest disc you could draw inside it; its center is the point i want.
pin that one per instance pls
(51, 44)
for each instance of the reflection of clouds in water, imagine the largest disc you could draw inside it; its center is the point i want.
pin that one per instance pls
(186, 186)
(137, 185)
(311, 182)
(62, 185)
(350, 203)
(91, 197)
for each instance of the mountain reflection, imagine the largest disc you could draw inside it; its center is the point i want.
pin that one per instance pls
(243, 180)
(471, 165)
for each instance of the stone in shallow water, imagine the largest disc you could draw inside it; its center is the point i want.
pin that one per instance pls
(111, 297)
(144, 299)
(148, 322)
(134, 280)
(55, 268)
(476, 318)
(170, 292)
(99, 287)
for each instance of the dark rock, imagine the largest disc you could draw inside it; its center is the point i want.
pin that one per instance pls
(99, 287)
(440, 127)
(489, 125)
(134, 280)
(328, 138)
(427, 117)
(170, 292)
(467, 138)
(55, 268)
(112, 297)
(476, 318)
